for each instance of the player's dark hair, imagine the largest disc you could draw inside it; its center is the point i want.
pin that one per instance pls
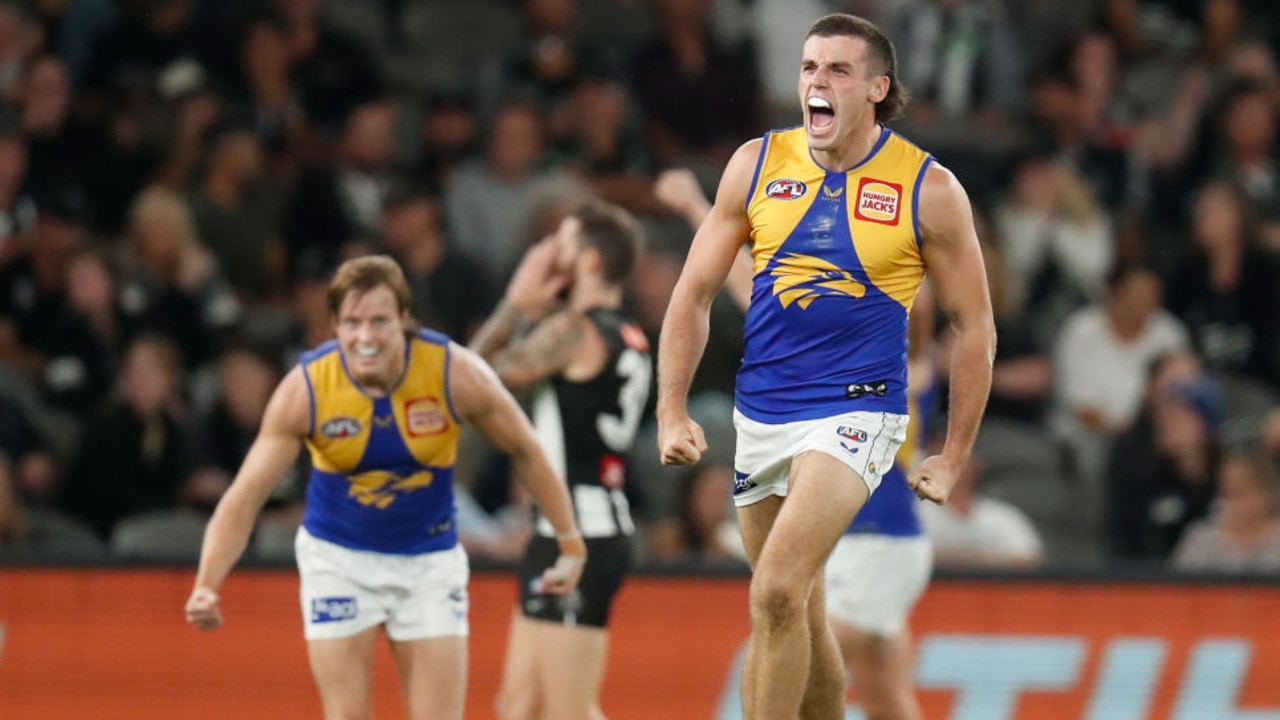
(362, 274)
(879, 51)
(614, 233)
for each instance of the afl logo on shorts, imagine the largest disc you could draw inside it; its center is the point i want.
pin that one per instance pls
(425, 416)
(850, 433)
(878, 201)
(340, 427)
(786, 189)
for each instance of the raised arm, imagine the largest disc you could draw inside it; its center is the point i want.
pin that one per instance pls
(480, 398)
(284, 425)
(953, 259)
(685, 327)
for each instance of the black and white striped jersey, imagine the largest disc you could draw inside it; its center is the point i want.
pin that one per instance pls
(587, 429)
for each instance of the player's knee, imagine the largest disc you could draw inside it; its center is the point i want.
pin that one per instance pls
(515, 705)
(776, 606)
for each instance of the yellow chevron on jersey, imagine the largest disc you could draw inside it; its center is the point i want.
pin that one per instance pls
(881, 208)
(344, 418)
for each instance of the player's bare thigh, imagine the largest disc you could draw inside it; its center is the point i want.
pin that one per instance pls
(343, 670)
(433, 676)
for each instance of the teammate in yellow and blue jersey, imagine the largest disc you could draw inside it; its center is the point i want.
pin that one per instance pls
(844, 218)
(380, 409)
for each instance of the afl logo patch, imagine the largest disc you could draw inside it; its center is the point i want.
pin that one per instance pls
(786, 189)
(340, 427)
(878, 201)
(425, 416)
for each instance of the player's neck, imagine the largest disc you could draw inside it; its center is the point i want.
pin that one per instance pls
(591, 292)
(851, 152)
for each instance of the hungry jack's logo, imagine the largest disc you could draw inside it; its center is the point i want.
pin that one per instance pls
(801, 279)
(878, 201)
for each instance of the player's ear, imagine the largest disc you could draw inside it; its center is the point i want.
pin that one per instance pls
(879, 88)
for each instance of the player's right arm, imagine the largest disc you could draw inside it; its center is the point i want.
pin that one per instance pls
(480, 398)
(685, 327)
(284, 424)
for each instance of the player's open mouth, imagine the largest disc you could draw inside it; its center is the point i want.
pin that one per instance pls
(821, 115)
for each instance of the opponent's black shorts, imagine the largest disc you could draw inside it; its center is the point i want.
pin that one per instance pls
(608, 562)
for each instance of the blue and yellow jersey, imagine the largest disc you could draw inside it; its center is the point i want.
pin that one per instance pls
(836, 267)
(382, 467)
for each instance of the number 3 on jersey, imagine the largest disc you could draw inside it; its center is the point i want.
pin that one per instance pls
(618, 431)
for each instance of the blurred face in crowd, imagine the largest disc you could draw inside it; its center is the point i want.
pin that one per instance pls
(1246, 496)
(370, 329)
(90, 285)
(370, 136)
(413, 223)
(1250, 124)
(13, 163)
(241, 152)
(149, 378)
(46, 96)
(247, 384)
(1135, 299)
(1216, 218)
(516, 141)
(708, 507)
(551, 16)
(161, 227)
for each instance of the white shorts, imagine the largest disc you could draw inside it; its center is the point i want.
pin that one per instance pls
(865, 441)
(347, 591)
(873, 581)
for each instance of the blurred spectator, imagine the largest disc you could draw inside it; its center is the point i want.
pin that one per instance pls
(450, 134)
(1242, 534)
(29, 464)
(705, 527)
(33, 281)
(1160, 473)
(1022, 374)
(342, 204)
(1228, 290)
(451, 293)
(488, 201)
(37, 528)
(332, 74)
(171, 282)
(58, 146)
(1100, 365)
(157, 48)
(1246, 153)
(17, 208)
(16, 35)
(975, 531)
(133, 457)
(265, 95)
(84, 338)
(234, 217)
(1056, 240)
(961, 63)
(700, 100)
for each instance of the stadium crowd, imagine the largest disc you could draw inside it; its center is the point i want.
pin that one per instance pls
(179, 177)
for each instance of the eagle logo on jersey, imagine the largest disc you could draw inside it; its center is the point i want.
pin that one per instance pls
(379, 488)
(801, 279)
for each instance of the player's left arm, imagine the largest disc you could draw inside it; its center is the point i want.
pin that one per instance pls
(480, 398)
(953, 259)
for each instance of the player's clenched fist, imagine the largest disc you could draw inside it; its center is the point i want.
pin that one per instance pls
(680, 442)
(203, 610)
(934, 479)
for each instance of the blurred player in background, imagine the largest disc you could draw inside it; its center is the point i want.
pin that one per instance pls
(380, 408)
(560, 332)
